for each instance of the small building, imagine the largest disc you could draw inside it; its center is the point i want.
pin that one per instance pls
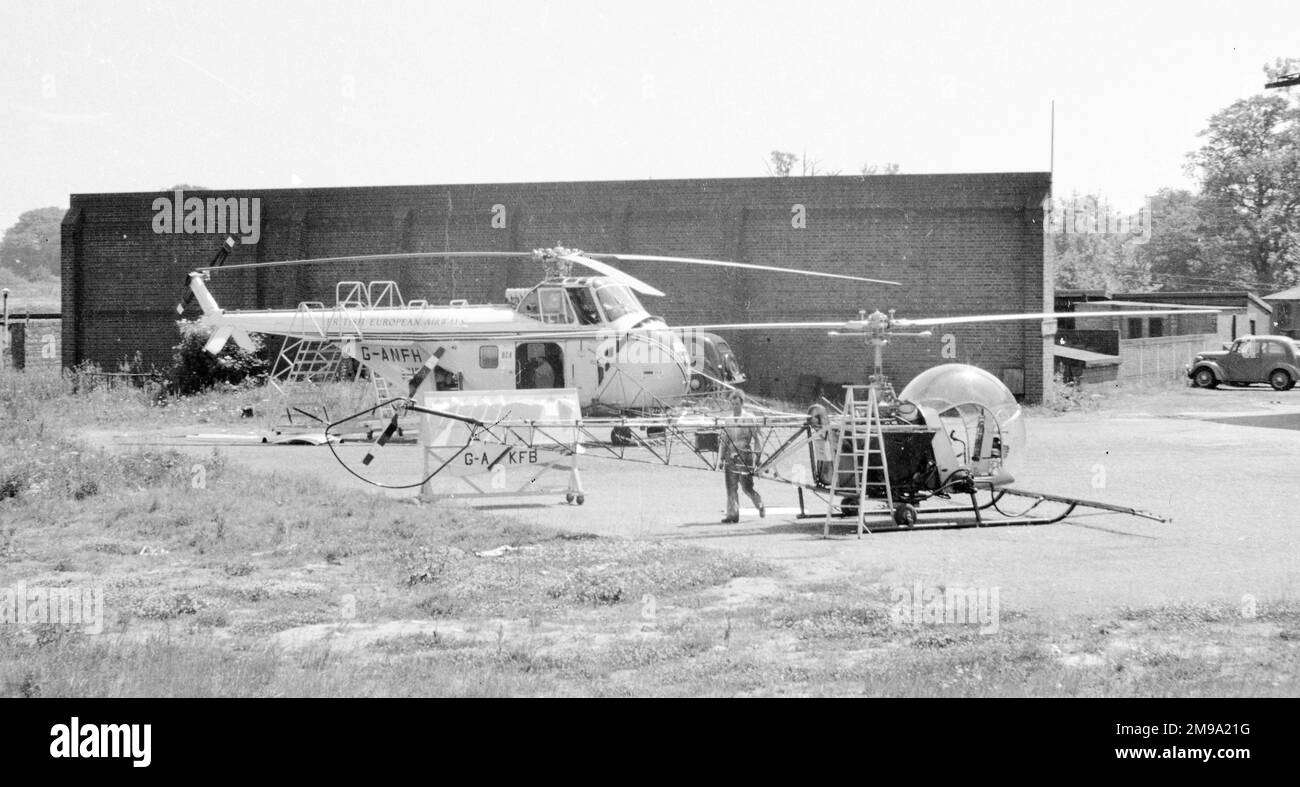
(1085, 367)
(30, 340)
(1286, 312)
(1101, 347)
(1242, 312)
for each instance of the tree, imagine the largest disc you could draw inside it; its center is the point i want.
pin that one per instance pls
(30, 247)
(1249, 168)
(1183, 253)
(884, 169)
(193, 369)
(781, 164)
(1093, 246)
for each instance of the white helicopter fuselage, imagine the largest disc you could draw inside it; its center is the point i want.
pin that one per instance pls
(562, 333)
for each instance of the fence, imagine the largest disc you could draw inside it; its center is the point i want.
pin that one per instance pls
(1162, 358)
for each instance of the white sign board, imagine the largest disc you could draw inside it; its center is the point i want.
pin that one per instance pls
(549, 408)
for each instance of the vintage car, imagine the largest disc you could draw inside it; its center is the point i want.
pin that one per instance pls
(1250, 359)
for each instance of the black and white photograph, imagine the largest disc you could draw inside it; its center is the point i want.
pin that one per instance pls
(688, 349)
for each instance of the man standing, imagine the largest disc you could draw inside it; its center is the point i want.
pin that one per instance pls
(739, 459)
(543, 374)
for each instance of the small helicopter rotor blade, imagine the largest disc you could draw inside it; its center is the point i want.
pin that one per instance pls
(606, 269)
(902, 323)
(728, 264)
(749, 326)
(382, 441)
(417, 255)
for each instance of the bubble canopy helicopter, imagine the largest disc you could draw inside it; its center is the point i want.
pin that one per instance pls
(950, 431)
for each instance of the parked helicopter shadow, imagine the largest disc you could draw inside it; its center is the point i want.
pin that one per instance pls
(514, 506)
(1111, 530)
(848, 529)
(719, 530)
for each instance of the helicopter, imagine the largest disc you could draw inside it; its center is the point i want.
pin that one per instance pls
(949, 432)
(589, 332)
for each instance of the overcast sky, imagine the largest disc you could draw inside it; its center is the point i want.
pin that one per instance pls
(101, 97)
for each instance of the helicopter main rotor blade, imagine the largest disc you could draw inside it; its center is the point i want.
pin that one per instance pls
(415, 255)
(613, 273)
(728, 264)
(747, 326)
(903, 323)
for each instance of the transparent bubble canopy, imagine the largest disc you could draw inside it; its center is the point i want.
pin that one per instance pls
(952, 385)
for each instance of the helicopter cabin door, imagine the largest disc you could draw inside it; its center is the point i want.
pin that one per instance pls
(539, 365)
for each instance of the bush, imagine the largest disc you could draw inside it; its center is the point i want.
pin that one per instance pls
(1063, 397)
(193, 369)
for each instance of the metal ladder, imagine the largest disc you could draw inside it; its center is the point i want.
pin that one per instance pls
(864, 434)
(383, 392)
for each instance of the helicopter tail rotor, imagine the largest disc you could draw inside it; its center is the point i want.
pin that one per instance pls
(416, 381)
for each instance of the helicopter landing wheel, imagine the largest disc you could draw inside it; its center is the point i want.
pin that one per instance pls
(905, 515)
(622, 435)
(571, 498)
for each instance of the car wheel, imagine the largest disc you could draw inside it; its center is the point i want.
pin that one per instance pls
(1280, 380)
(1204, 378)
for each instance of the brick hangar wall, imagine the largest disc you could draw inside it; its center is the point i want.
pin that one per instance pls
(959, 244)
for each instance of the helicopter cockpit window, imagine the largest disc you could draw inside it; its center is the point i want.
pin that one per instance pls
(553, 306)
(547, 304)
(529, 305)
(584, 304)
(617, 301)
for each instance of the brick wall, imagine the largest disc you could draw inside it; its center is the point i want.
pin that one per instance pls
(960, 244)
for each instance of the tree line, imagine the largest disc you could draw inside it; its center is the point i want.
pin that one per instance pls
(1239, 230)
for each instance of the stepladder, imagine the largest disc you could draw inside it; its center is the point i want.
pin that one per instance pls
(860, 466)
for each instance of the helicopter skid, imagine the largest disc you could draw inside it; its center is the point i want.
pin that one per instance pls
(883, 520)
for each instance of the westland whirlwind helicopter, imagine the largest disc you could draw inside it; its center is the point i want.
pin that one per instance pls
(949, 432)
(588, 332)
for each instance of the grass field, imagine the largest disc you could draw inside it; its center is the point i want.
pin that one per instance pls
(220, 582)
